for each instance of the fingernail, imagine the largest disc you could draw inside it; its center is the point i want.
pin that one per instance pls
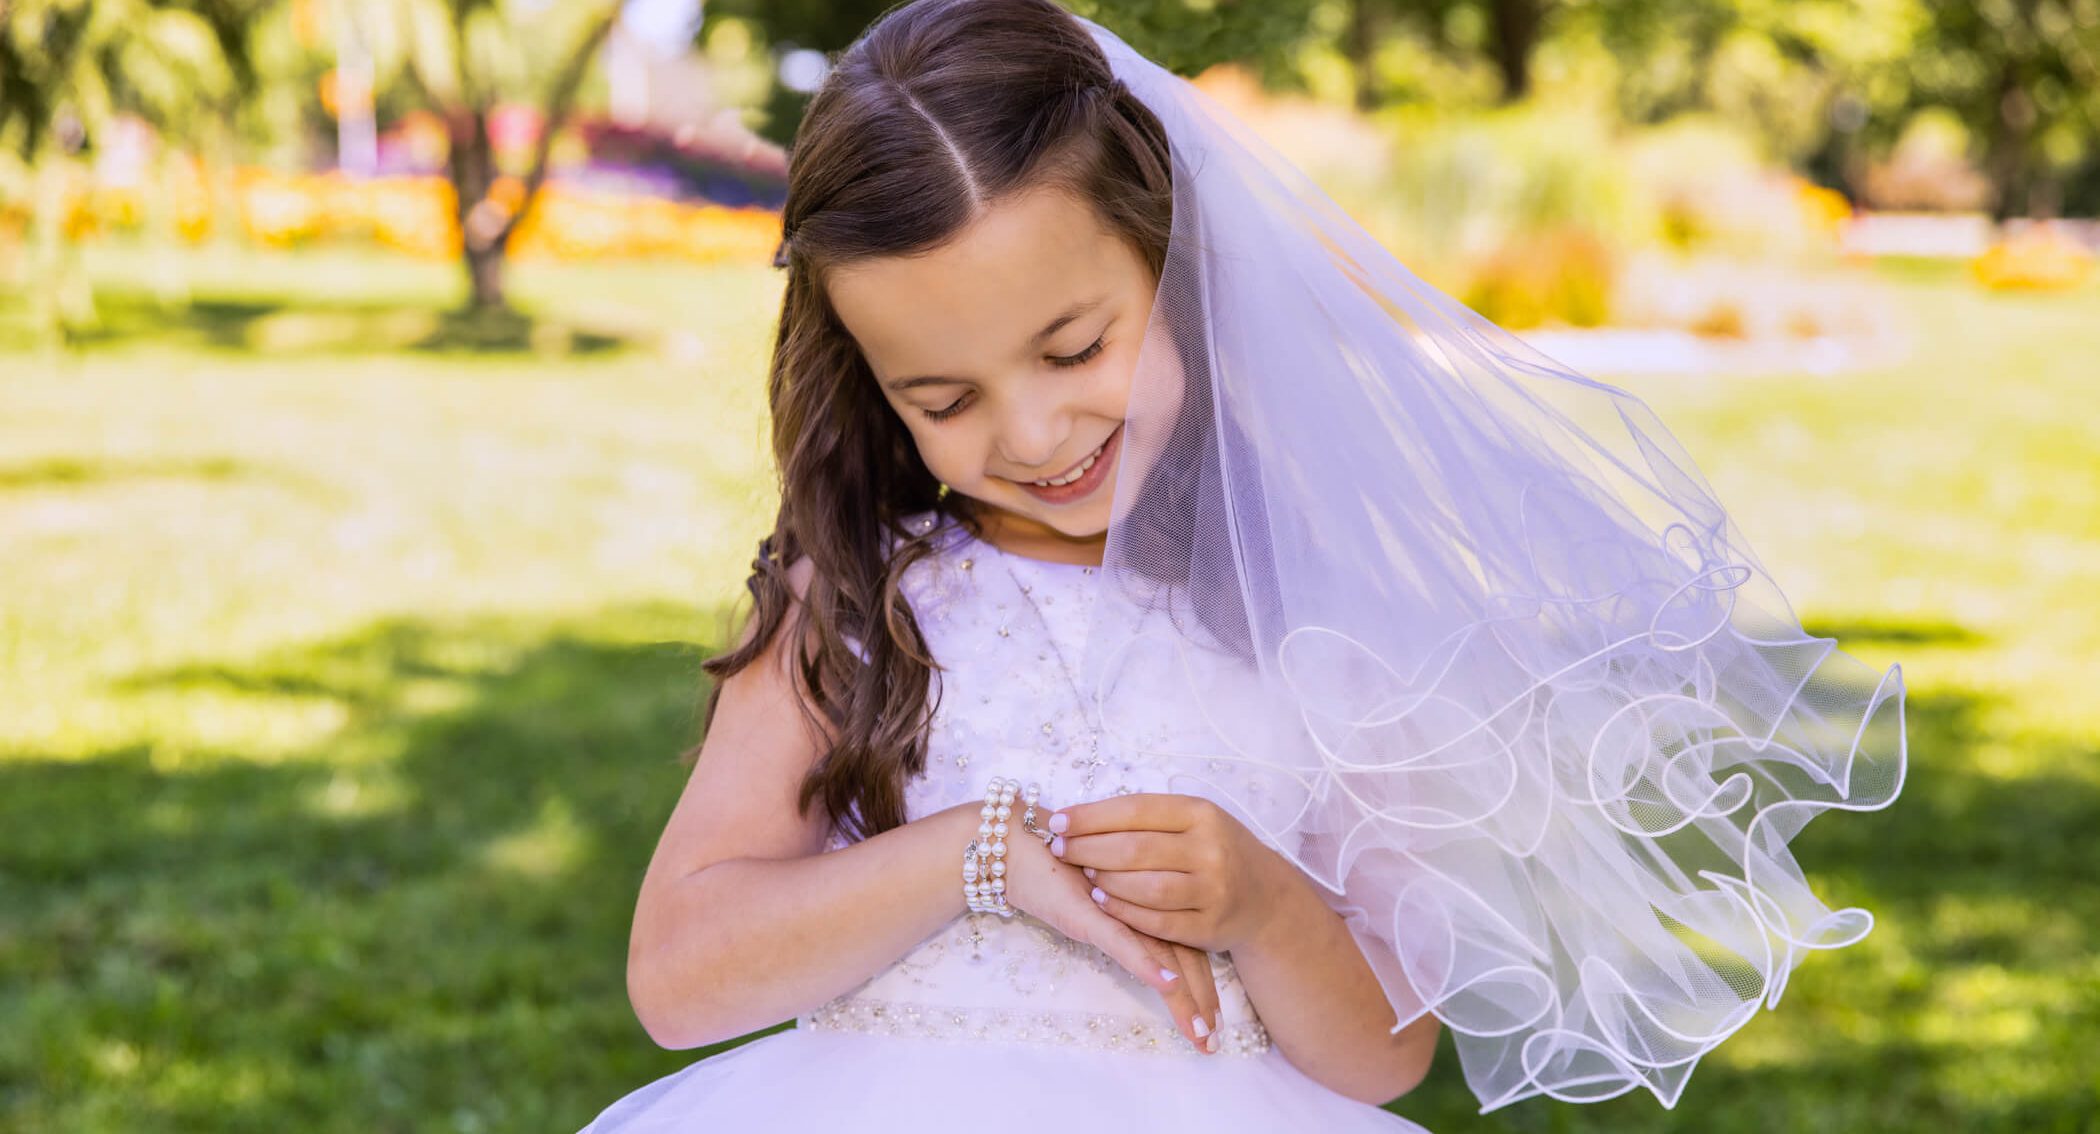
(1164, 974)
(1211, 1044)
(1202, 1029)
(1087, 870)
(1099, 896)
(1059, 821)
(1057, 846)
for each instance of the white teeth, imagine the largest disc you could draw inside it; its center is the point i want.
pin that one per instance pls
(1076, 473)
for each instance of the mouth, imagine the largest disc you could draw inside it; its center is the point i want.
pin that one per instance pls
(1090, 473)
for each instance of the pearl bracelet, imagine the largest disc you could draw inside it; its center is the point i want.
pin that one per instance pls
(1028, 820)
(984, 860)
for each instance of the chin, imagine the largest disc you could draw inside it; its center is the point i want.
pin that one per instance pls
(1092, 525)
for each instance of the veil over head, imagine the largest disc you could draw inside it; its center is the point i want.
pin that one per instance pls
(1478, 648)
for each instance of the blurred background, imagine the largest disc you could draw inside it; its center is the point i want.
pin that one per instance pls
(382, 444)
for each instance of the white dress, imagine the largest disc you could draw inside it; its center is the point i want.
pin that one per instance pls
(991, 1014)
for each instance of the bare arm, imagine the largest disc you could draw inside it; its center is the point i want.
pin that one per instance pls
(743, 920)
(748, 942)
(1322, 1004)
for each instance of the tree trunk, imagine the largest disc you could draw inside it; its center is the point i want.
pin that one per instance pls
(2009, 155)
(1517, 24)
(485, 277)
(472, 164)
(486, 225)
(1360, 44)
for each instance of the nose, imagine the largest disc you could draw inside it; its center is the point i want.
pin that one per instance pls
(1033, 432)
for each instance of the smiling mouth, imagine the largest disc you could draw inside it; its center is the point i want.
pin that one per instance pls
(1082, 480)
(1073, 473)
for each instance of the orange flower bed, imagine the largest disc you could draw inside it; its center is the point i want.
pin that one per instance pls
(416, 215)
(2042, 258)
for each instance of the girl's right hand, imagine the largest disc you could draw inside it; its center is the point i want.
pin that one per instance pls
(1046, 887)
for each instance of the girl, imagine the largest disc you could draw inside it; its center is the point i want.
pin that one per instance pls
(1161, 689)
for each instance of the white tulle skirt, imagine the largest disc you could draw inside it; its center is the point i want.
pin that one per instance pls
(815, 1079)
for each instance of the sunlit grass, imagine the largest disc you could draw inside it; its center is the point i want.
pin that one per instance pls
(345, 670)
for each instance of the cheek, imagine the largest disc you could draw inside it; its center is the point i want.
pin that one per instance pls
(951, 452)
(1154, 394)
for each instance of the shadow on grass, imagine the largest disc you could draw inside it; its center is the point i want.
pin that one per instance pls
(71, 472)
(1895, 632)
(286, 328)
(423, 922)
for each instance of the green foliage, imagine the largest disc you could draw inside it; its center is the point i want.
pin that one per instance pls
(73, 65)
(826, 25)
(1186, 36)
(2025, 77)
(1183, 35)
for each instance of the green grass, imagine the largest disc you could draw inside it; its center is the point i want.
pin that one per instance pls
(347, 652)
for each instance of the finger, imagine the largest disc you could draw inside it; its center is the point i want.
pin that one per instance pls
(1127, 850)
(1203, 985)
(1153, 962)
(1137, 811)
(1167, 925)
(1153, 889)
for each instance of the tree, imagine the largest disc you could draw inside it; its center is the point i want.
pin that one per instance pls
(459, 59)
(70, 69)
(1506, 33)
(2025, 77)
(75, 65)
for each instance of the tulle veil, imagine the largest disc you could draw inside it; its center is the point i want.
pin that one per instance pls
(1480, 650)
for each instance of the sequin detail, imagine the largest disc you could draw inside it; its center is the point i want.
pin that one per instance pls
(1095, 1030)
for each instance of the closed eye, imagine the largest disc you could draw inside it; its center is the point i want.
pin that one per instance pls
(1085, 356)
(1082, 356)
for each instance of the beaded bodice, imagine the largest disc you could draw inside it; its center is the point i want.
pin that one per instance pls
(1004, 629)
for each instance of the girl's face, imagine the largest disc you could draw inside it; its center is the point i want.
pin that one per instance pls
(1008, 352)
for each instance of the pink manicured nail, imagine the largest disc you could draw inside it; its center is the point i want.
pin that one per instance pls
(1169, 975)
(1211, 1045)
(1099, 896)
(1057, 846)
(1059, 821)
(1088, 870)
(1202, 1029)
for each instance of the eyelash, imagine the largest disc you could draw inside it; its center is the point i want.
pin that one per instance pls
(1081, 358)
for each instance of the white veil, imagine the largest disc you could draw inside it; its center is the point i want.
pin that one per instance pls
(1523, 702)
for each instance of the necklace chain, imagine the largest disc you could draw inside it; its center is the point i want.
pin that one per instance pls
(1094, 760)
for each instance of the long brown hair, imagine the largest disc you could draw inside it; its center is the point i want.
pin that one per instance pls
(939, 109)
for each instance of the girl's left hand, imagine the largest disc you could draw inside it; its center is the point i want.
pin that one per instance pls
(1178, 867)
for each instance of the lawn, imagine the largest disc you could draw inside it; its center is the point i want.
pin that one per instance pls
(344, 670)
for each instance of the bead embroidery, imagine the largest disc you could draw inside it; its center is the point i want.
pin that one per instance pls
(1094, 1030)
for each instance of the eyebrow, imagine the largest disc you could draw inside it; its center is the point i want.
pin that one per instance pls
(1049, 329)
